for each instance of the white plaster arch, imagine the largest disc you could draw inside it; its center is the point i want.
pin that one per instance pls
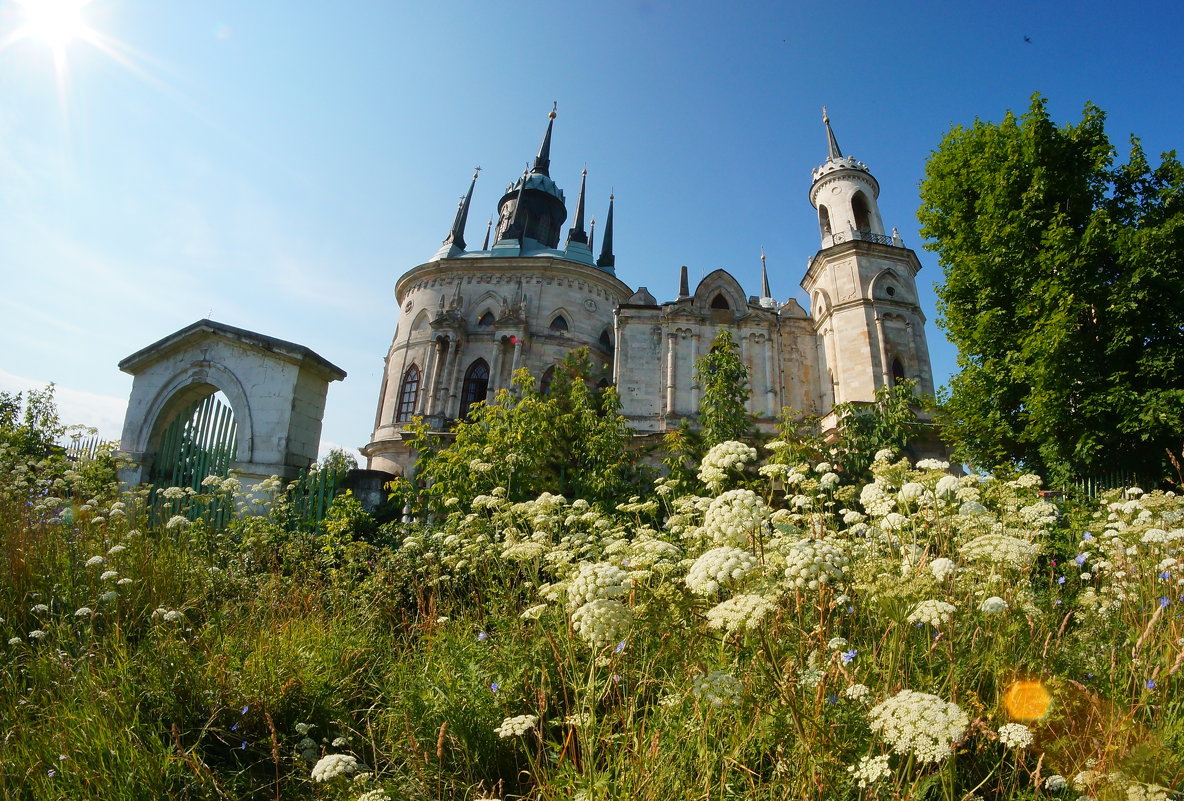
(188, 386)
(878, 290)
(720, 282)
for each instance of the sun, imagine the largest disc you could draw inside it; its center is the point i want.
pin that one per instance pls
(56, 23)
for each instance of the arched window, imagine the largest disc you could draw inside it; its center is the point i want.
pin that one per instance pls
(545, 381)
(476, 385)
(824, 220)
(859, 209)
(408, 394)
(559, 323)
(720, 302)
(897, 372)
(605, 340)
(486, 320)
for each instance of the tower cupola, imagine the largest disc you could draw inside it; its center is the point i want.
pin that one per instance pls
(846, 195)
(533, 207)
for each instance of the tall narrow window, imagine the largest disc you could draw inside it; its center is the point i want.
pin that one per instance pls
(559, 323)
(897, 372)
(408, 394)
(824, 220)
(862, 216)
(606, 341)
(476, 385)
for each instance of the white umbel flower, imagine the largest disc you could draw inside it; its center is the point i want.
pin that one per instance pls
(602, 622)
(516, 726)
(870, 770)
(735, 517)
(333, 765)
(718, 688)
(811, 563)
(597, 582)
(740, 614)
(932, 613)
(722, 459)
(941, 568)
(719, 567)
(919, 723)
(1015, 735)
(993, 605)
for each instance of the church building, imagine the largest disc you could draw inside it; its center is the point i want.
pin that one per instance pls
(469, 318)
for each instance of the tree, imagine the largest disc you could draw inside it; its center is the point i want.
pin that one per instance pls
(571, 441)
(1063, 294)
(29, 422)
(723, 377)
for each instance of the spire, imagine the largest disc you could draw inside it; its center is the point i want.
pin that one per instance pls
(542, 162)
(457, 235)
(607, 259)
(488, 225)
(576, 232)
(832, 144)
(592, 235)
(684, 285)
(765, 293)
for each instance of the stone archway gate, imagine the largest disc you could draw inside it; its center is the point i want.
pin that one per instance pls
(276, 390)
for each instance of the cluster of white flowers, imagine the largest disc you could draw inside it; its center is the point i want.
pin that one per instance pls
(877, 499)
(740, 614)
(735, 518)
(942, 568)
(108, 575)
(333, 765)
(516, 726)
(993, 605)
(1040, 514)
(1001, 549)
(177, 521)
(96, 561)
(857, 692)
(947, 487)
(723, 458)
(1055, 783)
(168, 615)
(1015, 735)
(83, 611)
(117, 549)
(718, 688)
(932, 613)
(601, 622)
(911, 492)
(919, 723)
(810, 563)
(719, 567)
(374, 795)
(870, 770)
(597, 582)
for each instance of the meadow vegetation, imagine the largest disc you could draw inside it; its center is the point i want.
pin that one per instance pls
(773, 625)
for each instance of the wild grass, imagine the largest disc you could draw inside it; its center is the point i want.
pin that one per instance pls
(229, 662)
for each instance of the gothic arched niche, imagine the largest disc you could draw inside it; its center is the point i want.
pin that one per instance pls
(824, 220)
(888, 286)
(719, 291)
(421, 321)
(898, 373)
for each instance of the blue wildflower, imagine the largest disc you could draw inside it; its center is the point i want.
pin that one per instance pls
(1079, 559)
(482, 636)
(1164, 602)
(849, 656)
(1087, 536)
(1060, 579)
(244, 710)
(620, 647)
(1150, 684)
(494, 686)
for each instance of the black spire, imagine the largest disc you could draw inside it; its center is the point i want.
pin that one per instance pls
(607, 259)
(684, 286)
(488, 225)
(592, 235)
(765, 293)
(542, 162)
(832, 144)
(576, 232)
(457, 235)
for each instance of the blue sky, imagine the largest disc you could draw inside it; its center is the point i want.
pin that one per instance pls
(277, 165)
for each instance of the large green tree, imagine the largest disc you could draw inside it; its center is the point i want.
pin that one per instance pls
(1063, 293)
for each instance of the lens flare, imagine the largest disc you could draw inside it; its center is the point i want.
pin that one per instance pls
(1026, 700)
(54, 22)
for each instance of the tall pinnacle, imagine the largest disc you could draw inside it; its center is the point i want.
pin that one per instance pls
(456, 236)
(765, 293)
(542, 162)
(488, 225)
(684, 285)
(576, 232)
(832, 144)
(607, 259)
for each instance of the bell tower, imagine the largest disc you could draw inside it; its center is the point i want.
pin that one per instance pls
(862, 288)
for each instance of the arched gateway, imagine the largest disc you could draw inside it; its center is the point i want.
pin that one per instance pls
(212, 396)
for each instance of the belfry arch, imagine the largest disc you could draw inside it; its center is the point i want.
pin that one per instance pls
(275, 391)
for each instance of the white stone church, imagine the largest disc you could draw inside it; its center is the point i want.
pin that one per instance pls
(469, 318)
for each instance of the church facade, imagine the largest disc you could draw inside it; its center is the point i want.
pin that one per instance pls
(469, 318)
